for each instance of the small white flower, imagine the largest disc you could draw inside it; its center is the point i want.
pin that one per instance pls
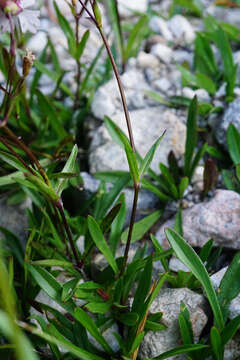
(28, 19)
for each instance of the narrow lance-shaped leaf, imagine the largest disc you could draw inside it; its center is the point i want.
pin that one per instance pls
(68, 168)
(149, 156)
(188, 256)
(101, 243)
(119, 136)
(90, 325)
(141, 227)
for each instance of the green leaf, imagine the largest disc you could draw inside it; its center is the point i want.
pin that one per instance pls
(42, 187)
(53, 76)
(68, 289)
(143, 288)
(82, 44)
(188, 256)
(129, 318)
(12, 178)
(206, 250)
(149, 157)
(185, 349)
(50, 113)
(13, 161)
(137, 341)
(67, 30)
(154, 189)
(169, 180)
(52, 262)
(185, 325)
(117, 225)
(51, 287)
(154, 326)
(68, 168)
(118, 135)
(116, 26)
(135, 38)
(183, 186)
(233, 141)
(98, 307)
(230, 69)
(90, 325)
(159, 249)
(230, 330)
(62, 342)
(101, 243)
(109, 218)
(230, 287)
(187, 76)
(141, 227)
(216, 343)
(205, 82)
(23, 348)
(191, 141)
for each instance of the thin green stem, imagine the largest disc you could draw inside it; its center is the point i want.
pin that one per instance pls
(129, 126)
(17, 155)
(31, 156)
(68, 231)
(130, 231)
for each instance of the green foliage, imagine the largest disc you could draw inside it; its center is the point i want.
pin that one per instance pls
(43, 146)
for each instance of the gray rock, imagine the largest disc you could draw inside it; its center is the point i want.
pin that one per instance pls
(148, 125)
(201, 94)
(37, 42)
(175, 265)
(231, 116)
(162, 52)
(146, 60)
(127, 8)
(181, 29)
(217, 218)
(160, 26)
(107, 99)
(168, 302)
(14, 219)
(182, 56)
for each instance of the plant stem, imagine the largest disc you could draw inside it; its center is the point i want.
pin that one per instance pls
(17, 155)
(78, 76)
(130, 231)
(121, 89)
(68, 231)
(31, 156)
(130, 132)
(58, 221)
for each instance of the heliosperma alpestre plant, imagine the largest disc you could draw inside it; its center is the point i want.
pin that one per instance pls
(104, 294)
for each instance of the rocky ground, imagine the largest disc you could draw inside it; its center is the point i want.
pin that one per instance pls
(218, 216)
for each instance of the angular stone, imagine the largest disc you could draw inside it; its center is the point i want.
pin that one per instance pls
(163, 52)
(148, 124)
(14, 219)
(168, 302)
(107, 100)
(218, 218)
(181, 29)
(127, 8)
(160, 26)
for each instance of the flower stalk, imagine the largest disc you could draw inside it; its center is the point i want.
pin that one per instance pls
(97, 20)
